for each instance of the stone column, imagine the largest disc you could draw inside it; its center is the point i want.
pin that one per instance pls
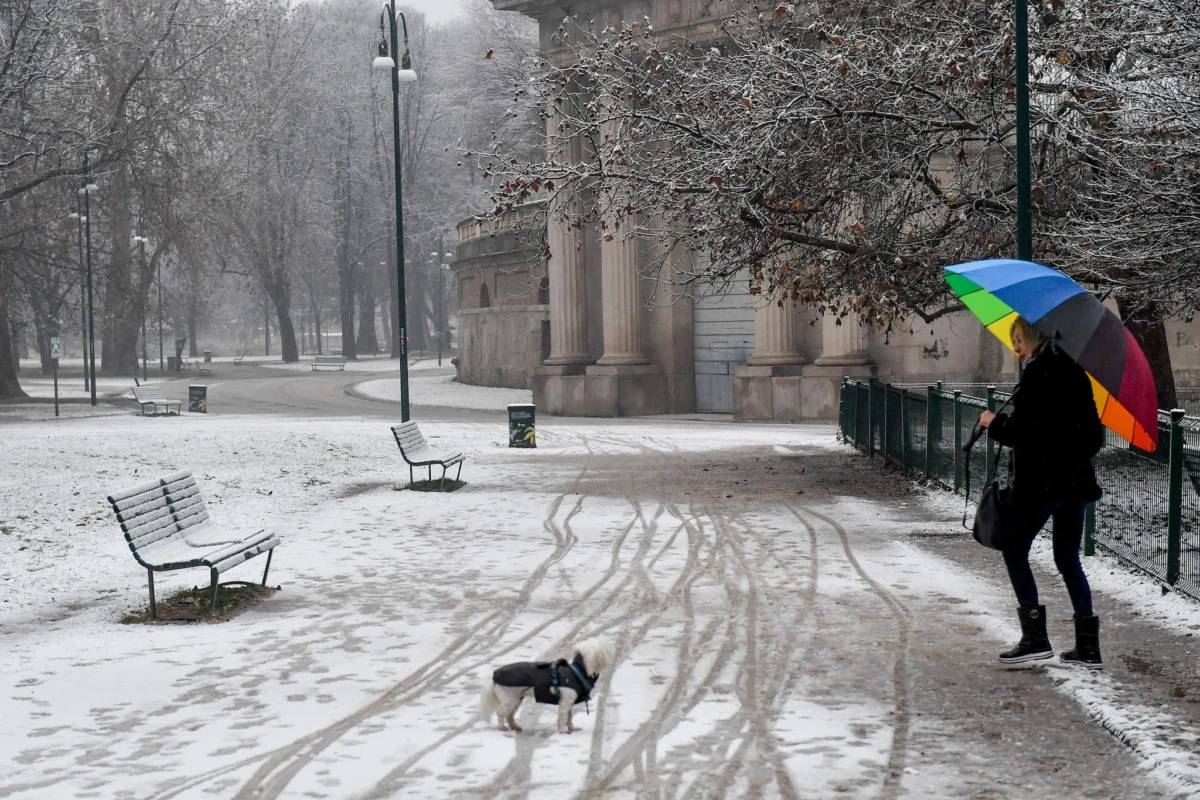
(776, 335)
(568, 300)
(622, 300)
(620, 279)
(842, 345)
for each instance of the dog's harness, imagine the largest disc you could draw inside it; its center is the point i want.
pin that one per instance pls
(584, 684)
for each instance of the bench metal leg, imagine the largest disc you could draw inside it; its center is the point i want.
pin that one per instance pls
(153, 608)
(270, 553)
(410, 474)
(459, 475)
(213, 602)
(442, 485)
(431, 473)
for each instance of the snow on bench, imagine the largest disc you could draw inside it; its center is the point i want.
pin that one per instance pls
(328, 362)
(153, 396)
(416, 452)
(167, 527)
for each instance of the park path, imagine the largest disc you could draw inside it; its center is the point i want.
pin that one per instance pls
(783, 630)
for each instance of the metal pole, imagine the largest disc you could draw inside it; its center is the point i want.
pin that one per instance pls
(1024, 213)
(1175, 496)
(402, 317)
(87, 210)
(142, 246)
(82, 293)
(158, 270)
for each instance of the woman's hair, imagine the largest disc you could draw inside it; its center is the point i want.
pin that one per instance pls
(1032, 336)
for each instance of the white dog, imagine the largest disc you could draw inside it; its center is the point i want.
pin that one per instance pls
(562, 683)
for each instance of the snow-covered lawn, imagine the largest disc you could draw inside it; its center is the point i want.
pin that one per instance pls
(444, 391)
(367, 364)
(72, 388)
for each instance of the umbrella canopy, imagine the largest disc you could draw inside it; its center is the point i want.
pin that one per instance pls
(998, 290)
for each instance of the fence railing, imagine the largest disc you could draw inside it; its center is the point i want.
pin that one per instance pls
(1149, 515)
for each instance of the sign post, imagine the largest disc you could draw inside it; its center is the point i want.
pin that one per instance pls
(55, 349)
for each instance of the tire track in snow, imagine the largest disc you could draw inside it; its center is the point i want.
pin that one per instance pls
(901, 721)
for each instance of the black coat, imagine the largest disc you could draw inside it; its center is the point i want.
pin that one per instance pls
(537, 675)
(1053, 429)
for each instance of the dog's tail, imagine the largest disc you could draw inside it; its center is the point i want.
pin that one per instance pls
(489, 701)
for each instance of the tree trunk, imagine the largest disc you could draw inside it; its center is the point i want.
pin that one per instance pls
(10, 387)
(123, 306)
(193, 350)
(367, 338)
(346, 272)
(267, 330)
(287, 333)
(417, 310)
(1149, 330)
(317, 327)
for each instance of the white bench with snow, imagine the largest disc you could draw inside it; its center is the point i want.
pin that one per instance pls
(153, 396)
(328, 362)
(416, 452)
(167, 526)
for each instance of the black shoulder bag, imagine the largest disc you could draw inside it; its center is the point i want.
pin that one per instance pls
(994, 516)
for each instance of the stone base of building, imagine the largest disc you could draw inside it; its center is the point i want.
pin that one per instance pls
(792, 393)
(767, 394)
(600, 391)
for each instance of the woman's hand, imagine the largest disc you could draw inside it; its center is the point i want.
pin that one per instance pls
(985, 419)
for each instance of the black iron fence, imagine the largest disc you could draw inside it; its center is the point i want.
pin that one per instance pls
(1149, 515)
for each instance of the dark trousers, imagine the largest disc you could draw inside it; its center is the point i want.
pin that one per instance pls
(1067, 515)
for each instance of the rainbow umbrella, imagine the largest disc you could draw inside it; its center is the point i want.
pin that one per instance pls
(998, 290)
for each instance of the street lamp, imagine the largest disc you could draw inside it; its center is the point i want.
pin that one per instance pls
(76, 215)
(1024, 213)
(140, 241)
(403, 72)
(86, 192)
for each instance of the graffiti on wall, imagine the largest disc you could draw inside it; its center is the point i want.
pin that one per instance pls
(936, 351)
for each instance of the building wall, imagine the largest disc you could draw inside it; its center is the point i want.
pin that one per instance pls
(501, 346)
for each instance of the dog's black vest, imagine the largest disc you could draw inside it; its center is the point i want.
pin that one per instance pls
(540, 676)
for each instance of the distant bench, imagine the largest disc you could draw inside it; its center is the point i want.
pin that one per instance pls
(416, 452)
(196, 365)
(328, 362)
(153, 396)
(167, 527)
(238, 359)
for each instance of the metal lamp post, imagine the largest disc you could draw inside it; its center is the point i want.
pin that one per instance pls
(78, 216)
(401, 72)
(86, 192)
(1024, 212)
(140, 241)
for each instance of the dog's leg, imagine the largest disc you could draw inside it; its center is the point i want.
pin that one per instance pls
(510, 700)
(566, 701)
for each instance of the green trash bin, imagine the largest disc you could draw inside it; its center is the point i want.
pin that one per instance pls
(521, 431)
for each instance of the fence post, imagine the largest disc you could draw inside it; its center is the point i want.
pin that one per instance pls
(883, 427)
(871, 418)
(905, 446)
(1175, 496)
(1089, 530)
(932, 423)
(991, 446)
(958, 442)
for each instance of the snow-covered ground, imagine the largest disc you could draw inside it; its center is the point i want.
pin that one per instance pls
(72, 388)
(443, 390)
(773, 628)
(368, 364)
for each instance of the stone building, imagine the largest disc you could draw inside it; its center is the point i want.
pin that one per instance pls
(503, 303)
(600, 342)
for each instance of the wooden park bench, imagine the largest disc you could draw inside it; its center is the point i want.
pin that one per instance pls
(153, 396)
(416, 452)
(198, 366)
(238, 359)
(167, 527)
(328, 362)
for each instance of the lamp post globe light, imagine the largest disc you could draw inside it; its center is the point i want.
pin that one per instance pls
(402, 72)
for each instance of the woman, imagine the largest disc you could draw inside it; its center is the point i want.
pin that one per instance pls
(1054, 431)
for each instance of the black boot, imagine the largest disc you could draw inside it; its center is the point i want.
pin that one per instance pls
(1087, 643)
(1034, 644)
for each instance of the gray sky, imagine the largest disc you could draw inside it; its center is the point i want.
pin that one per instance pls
(435, 10)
